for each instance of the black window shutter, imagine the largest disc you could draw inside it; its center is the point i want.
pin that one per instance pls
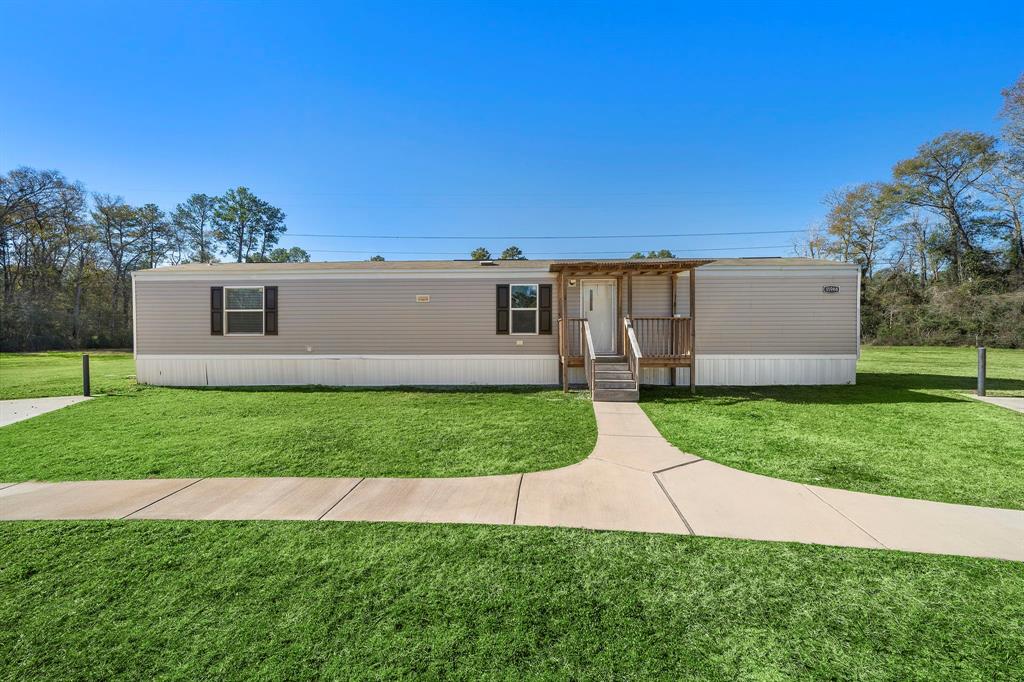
(270, 311)
(502, 310)
(544, 325)
(217, 311)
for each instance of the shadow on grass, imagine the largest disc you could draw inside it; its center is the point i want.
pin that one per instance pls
(871, 388)
(799, 395)
(938, 381)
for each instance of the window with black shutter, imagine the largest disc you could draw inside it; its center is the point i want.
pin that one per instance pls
(244, 311)
(524, 309)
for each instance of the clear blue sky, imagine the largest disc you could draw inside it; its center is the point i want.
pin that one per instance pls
(527, 119)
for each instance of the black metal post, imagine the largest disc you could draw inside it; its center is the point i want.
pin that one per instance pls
(981, 370)
(85, 375)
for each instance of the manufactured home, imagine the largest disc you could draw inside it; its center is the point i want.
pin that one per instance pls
(612, 325)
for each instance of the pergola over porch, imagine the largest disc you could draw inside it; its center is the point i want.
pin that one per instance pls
(643, 341)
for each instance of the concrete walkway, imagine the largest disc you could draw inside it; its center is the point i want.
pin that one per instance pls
(25, 408)
(634, 480)
(1016, 404)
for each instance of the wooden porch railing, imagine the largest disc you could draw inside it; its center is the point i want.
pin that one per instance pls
(570, 335)
(589, 356)
(658, 338)
(663, 337)
(632, 347)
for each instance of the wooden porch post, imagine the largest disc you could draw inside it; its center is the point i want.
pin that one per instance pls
(563, 328)
(673, 281)
(693, 331)
(629, 302)
(618, 313)
(629, 307)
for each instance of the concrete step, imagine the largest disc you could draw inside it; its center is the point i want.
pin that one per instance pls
(614, 383)
(616, 395)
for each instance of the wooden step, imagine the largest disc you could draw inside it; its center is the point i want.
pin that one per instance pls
(616, 395)
(612, 374)
(611, 367)
(614, 383)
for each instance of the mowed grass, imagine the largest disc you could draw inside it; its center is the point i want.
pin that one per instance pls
(953, 369)
(167, 433)
(907, 428)
(296, 600)
(305, 601)
(55, 373)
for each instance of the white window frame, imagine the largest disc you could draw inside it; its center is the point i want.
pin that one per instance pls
(535, 309)
(262, 311)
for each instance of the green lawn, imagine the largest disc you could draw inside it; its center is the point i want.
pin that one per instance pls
(954, 369)
(36, 375)
(280, 600)
(166, 433)
(906, 428)
(296, 600)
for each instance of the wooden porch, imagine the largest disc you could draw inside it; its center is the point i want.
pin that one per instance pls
(641, 341)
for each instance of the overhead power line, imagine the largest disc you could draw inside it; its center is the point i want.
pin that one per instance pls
(528, 237)
(547, 253)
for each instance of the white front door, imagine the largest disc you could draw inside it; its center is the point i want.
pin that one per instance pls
(598, 305)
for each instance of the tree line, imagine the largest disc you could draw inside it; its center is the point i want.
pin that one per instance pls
(510, 253)
(66, 255)
(940, 241)
(515, 253)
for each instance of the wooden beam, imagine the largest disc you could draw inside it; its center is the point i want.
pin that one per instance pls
(664, 362)
(693, 331)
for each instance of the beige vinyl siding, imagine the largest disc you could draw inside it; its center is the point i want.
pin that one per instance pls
(756, 311)
(572, 298)
(339, 316)
(740, 311)
(652, 295)
(764, 312)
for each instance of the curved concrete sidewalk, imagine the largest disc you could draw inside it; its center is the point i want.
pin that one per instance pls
(20, 409)
(633, 480)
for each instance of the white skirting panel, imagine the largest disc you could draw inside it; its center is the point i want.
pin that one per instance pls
(753, 370)
(365, 370)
